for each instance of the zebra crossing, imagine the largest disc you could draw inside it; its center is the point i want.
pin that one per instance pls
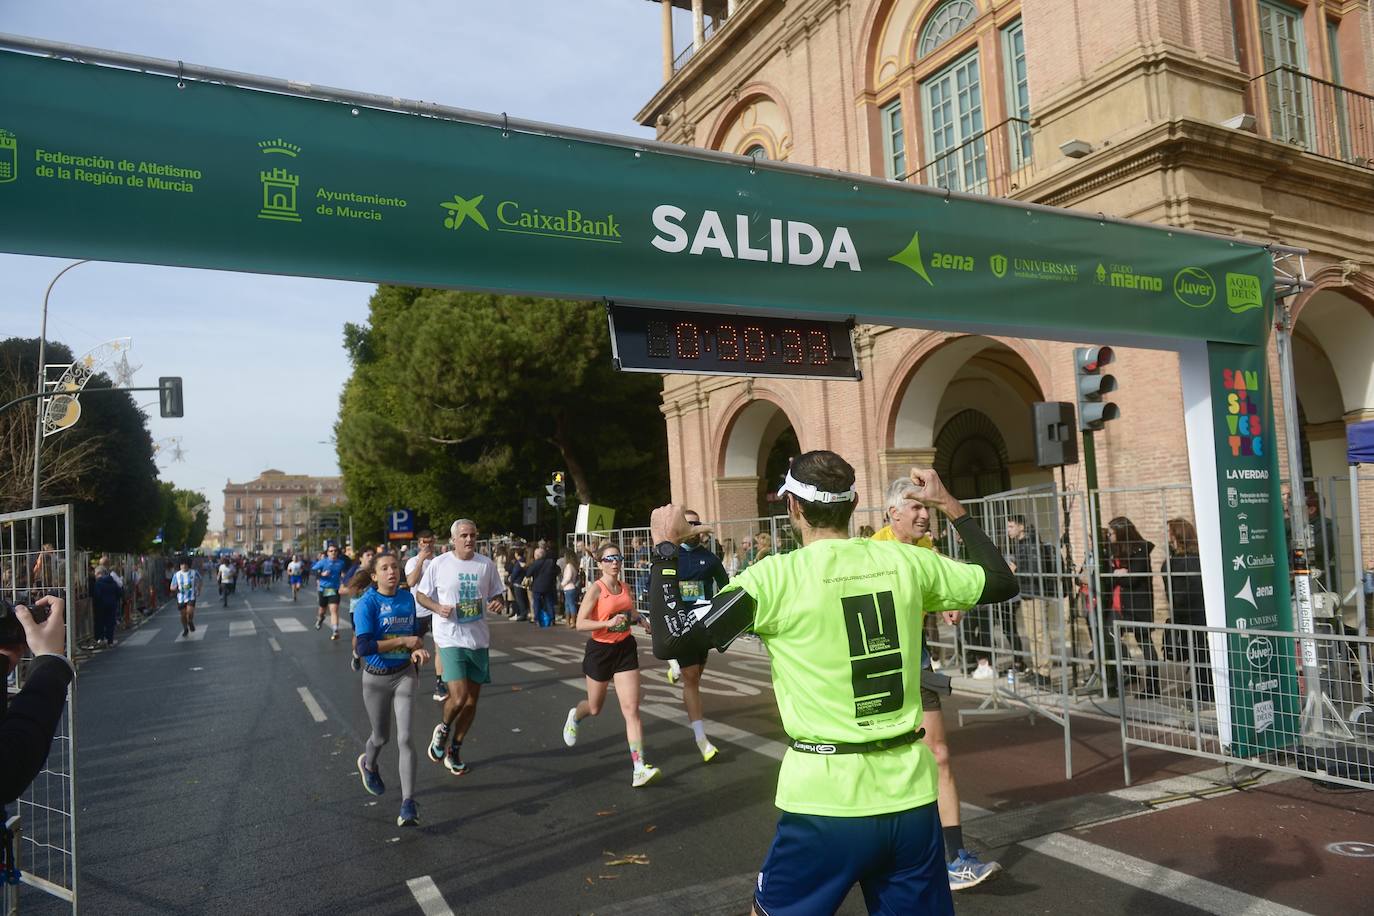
(209, 629)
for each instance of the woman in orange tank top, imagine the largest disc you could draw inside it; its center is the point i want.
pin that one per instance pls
(607, 611)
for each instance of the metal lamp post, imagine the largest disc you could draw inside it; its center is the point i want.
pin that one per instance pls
(43, 376)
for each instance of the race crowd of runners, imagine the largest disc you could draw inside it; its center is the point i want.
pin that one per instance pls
(867, 786)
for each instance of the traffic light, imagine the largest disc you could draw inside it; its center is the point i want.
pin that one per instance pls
(557, 493)
(1093, 383)
(169, 395)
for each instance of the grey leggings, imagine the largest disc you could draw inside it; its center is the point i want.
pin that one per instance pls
(383, 693)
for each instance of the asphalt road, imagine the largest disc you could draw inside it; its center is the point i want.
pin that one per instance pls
(207, 784)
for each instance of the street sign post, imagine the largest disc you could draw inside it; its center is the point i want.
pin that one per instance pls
(400, 524)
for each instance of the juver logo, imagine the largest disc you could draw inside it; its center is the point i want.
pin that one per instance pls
(999, 265)
(1194, 287)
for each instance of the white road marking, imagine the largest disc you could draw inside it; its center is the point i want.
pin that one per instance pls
(142, 637)
(289, 625)
(309, 700)
(530, 666)
(719, 731)
(272, 641)
(195, 635)
(242, 628)
(1175, 885)
(426, 893)
(496, 653)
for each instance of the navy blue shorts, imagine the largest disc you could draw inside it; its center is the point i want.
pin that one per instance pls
(898, 859)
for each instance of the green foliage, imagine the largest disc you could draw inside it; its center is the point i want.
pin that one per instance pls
(103, 465)
(462, 403)
(184, 518)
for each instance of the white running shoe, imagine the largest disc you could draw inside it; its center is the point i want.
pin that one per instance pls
(983, 672)
(570, 728)
(644, 775)
(674, 671)
(708, 752)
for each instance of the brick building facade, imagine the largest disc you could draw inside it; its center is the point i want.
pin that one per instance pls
(276, 511)
(1238, 117)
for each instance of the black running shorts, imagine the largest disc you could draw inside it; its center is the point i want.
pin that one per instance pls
(604, 660)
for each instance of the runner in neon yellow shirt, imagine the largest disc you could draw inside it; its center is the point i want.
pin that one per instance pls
(841, 618)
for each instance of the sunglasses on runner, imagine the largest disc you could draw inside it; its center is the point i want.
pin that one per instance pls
(613, 558)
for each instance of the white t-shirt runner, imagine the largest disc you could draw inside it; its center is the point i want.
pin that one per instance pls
(420, 609)
(467, 585)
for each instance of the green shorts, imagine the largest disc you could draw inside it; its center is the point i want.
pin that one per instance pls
(465, 664)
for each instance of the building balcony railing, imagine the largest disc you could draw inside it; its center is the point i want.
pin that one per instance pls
(712, 26)
(996, 162)
(1321, 117)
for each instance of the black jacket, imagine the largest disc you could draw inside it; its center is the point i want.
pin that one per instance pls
(1183, 584)
(28, 725)
(1135, 592)
(542, 575)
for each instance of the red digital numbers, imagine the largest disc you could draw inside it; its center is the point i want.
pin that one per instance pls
(727, 343)
(792, 351)
(688, 340)
(818, 342)
(755, 344)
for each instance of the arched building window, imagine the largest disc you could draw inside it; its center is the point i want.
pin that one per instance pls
(947, 21)
(756, 152)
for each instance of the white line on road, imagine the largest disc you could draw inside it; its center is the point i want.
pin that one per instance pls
(195, 635)
(1175, 885)
(272, 641)
(719, 731)
(530, 666)
(142, 637)
(309, 700)
(496, 653)
(289, 625)
(242, 628)
(427, 894)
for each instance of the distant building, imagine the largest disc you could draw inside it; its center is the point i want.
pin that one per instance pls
(278, 511)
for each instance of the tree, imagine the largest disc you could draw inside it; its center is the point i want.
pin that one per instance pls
(103, 465)
(462, 403)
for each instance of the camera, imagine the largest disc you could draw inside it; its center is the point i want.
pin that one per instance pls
(11, 630)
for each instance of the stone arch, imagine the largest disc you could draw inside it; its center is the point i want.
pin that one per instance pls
(944, 376)
(1333, 337)
(757, 116)
(756, 421)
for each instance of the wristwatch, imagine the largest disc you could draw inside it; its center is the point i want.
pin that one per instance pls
(665, 550)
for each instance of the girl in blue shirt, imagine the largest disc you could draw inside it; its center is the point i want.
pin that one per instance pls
(391, 654)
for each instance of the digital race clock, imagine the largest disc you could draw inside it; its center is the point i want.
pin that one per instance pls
(710, 343)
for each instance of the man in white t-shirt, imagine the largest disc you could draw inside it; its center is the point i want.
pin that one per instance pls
(459, 588)
(415, 569)
(228, 573)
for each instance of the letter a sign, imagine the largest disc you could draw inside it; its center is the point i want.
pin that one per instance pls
(400, 524)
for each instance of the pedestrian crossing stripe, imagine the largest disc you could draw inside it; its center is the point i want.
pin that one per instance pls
(142, 637)
(242, 628)
(196, 635)
(289, 625)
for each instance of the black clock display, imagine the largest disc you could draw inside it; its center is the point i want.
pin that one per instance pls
(710, 343)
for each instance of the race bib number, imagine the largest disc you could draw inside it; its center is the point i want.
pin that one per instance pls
(468, 611)
(692, 590)
(329, 592)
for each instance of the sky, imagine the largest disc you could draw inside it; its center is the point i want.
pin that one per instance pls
(262, 357)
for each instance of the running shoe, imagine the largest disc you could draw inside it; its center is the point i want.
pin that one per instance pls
(708, 752)
(967, 870)
(984, 672)
(570, 728)
(410, 815)
(438, 742)
(440, 692)
(319, 622)
(193, 626)
(356, 664)
(372, 780)
(334, 635)
(454, 763)
(644, 775)
(672, 676)
(184, 630)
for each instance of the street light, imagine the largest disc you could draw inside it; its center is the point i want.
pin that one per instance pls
(43, 375)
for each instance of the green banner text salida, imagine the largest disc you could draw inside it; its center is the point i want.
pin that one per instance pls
(99, 162)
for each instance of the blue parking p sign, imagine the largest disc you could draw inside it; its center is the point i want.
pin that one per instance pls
(400, 524)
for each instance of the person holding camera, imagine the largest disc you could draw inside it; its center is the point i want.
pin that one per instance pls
(29, 720)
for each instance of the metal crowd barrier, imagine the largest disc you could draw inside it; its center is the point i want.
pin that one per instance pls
(1257, 712)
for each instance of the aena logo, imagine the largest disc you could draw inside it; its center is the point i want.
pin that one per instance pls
(1194, 287)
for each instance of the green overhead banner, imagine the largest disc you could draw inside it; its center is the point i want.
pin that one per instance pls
(113, 164)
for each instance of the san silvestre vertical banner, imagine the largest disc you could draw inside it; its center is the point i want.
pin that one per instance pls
(1262, 669)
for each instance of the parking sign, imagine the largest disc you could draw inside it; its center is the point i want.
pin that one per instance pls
(400, 524)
